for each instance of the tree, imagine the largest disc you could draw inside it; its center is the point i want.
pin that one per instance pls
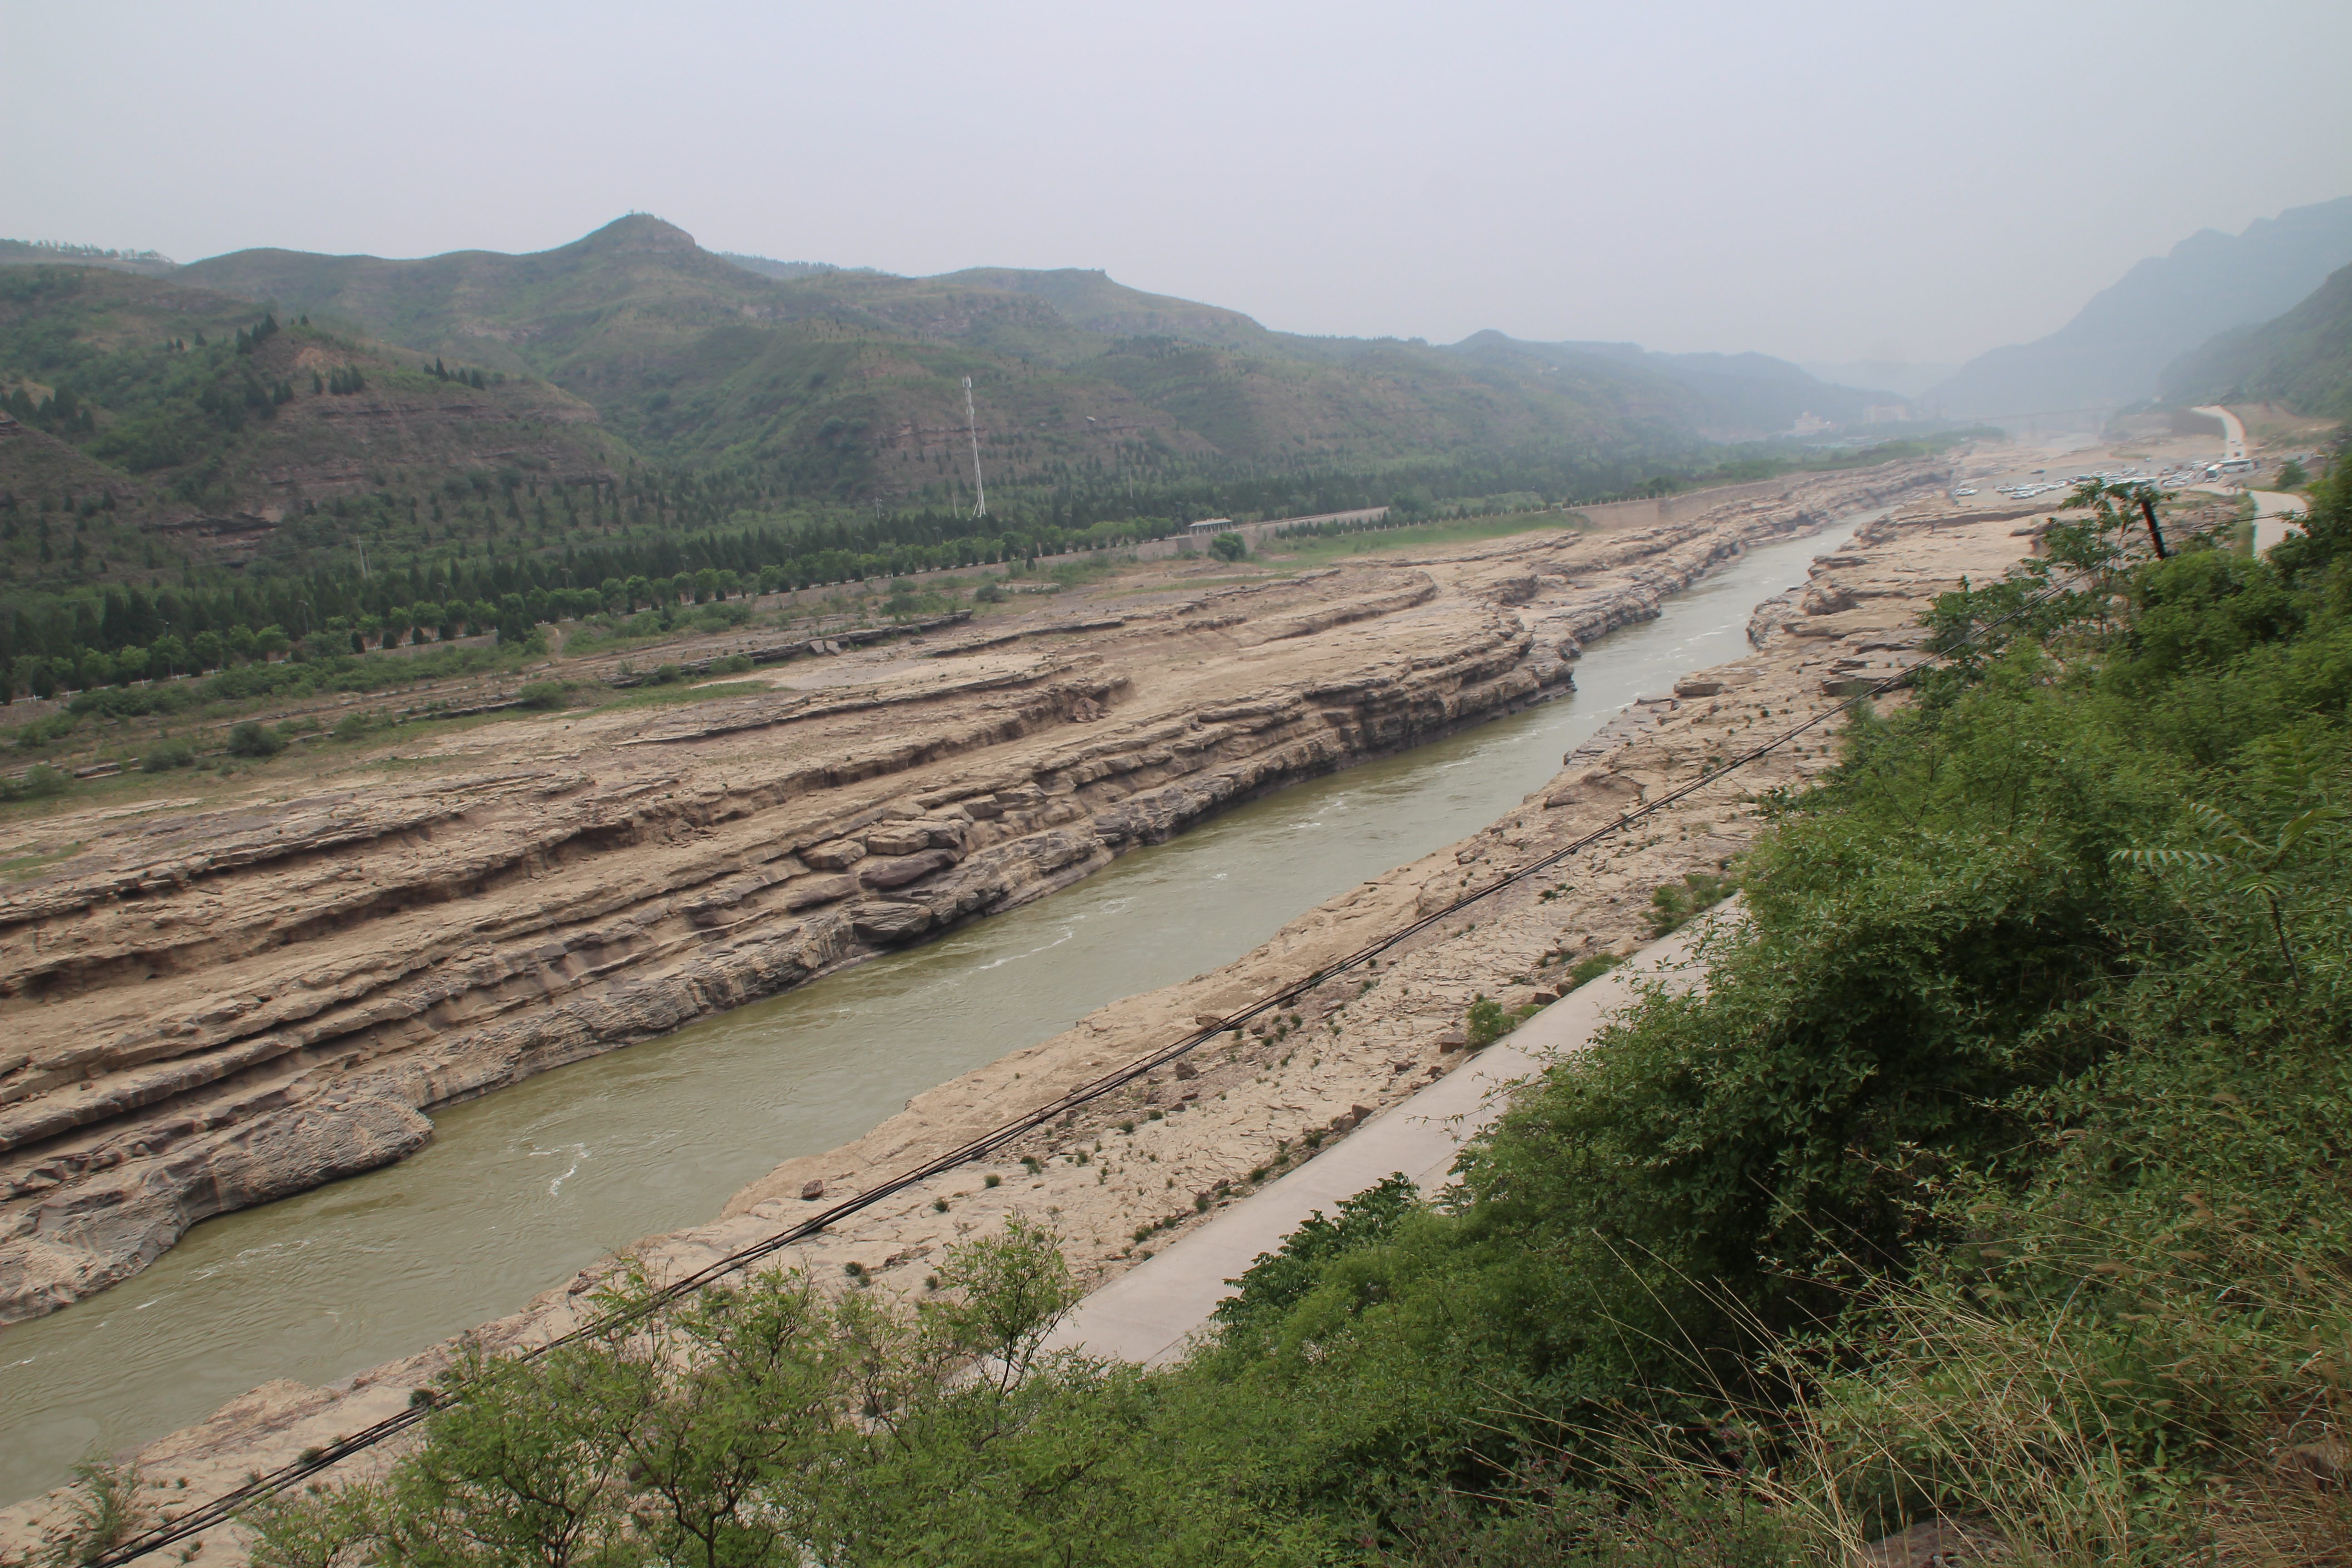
(2254, 866)
(760, 1425)
(1229, 547)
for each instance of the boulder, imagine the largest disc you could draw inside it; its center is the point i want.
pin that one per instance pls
(838, 856)
(1694, 686)
(883, 921)
(808, 891)
(900, 869)
(811, 1190)
(897, 838)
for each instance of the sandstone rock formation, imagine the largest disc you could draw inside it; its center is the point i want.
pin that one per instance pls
(1192, 1137)
(206, 1009)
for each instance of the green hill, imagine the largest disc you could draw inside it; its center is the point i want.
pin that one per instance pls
(153, 414)
(273, 439)
(853, 379)
(40, 253)
(2302, 359)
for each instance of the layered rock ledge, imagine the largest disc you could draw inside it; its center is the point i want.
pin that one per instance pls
(208, 1009)
(1191, 1138)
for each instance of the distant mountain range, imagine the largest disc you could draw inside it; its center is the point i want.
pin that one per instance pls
(2302, 359)
(1905, 378)
(2117, 348)
(687, 353)
(850, 381)
(145, 396)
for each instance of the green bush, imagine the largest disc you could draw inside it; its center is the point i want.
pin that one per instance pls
(40, 781)
(1590, 967)
(167, 755)
(1676, 904)
(1484, 1022)
(776, 1422)
(1229, 547)
(251, 738)
(45, 731)
(543, 695)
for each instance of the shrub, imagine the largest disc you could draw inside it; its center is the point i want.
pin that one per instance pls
(543, 695)
(168, 755)
(1486, 1022)
(39, 783)
(1229, 547)
(1674, 904)
(45, 731)
(1591, 967)
(251, 738)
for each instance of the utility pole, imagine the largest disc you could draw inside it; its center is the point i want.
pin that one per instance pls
(971, 428)
(2155, 533)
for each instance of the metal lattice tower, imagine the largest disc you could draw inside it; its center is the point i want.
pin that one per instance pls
(971, 428)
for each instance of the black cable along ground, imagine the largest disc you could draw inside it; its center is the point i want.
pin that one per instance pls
(225, 1507)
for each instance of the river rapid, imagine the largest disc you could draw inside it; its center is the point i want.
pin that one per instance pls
(520, 1190)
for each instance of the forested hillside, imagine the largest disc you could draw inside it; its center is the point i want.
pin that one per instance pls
(365, 451)
(2115, 350)
(2302, 359)
(850, 383)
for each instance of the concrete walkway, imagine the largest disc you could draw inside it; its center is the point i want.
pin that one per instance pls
(2276, 515)
(1149, 1313)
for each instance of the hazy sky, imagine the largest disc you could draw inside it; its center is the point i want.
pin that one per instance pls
(1825, 181)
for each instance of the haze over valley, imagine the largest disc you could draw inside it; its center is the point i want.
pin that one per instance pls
(1283, 785)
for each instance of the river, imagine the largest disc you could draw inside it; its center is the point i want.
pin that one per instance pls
(520, 1189)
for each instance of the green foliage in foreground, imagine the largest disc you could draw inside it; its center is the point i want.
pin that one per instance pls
(2002, 1173)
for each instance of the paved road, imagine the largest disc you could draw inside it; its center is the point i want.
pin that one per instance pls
(1147, 1314)
(2233, 431)
(2275, 513)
